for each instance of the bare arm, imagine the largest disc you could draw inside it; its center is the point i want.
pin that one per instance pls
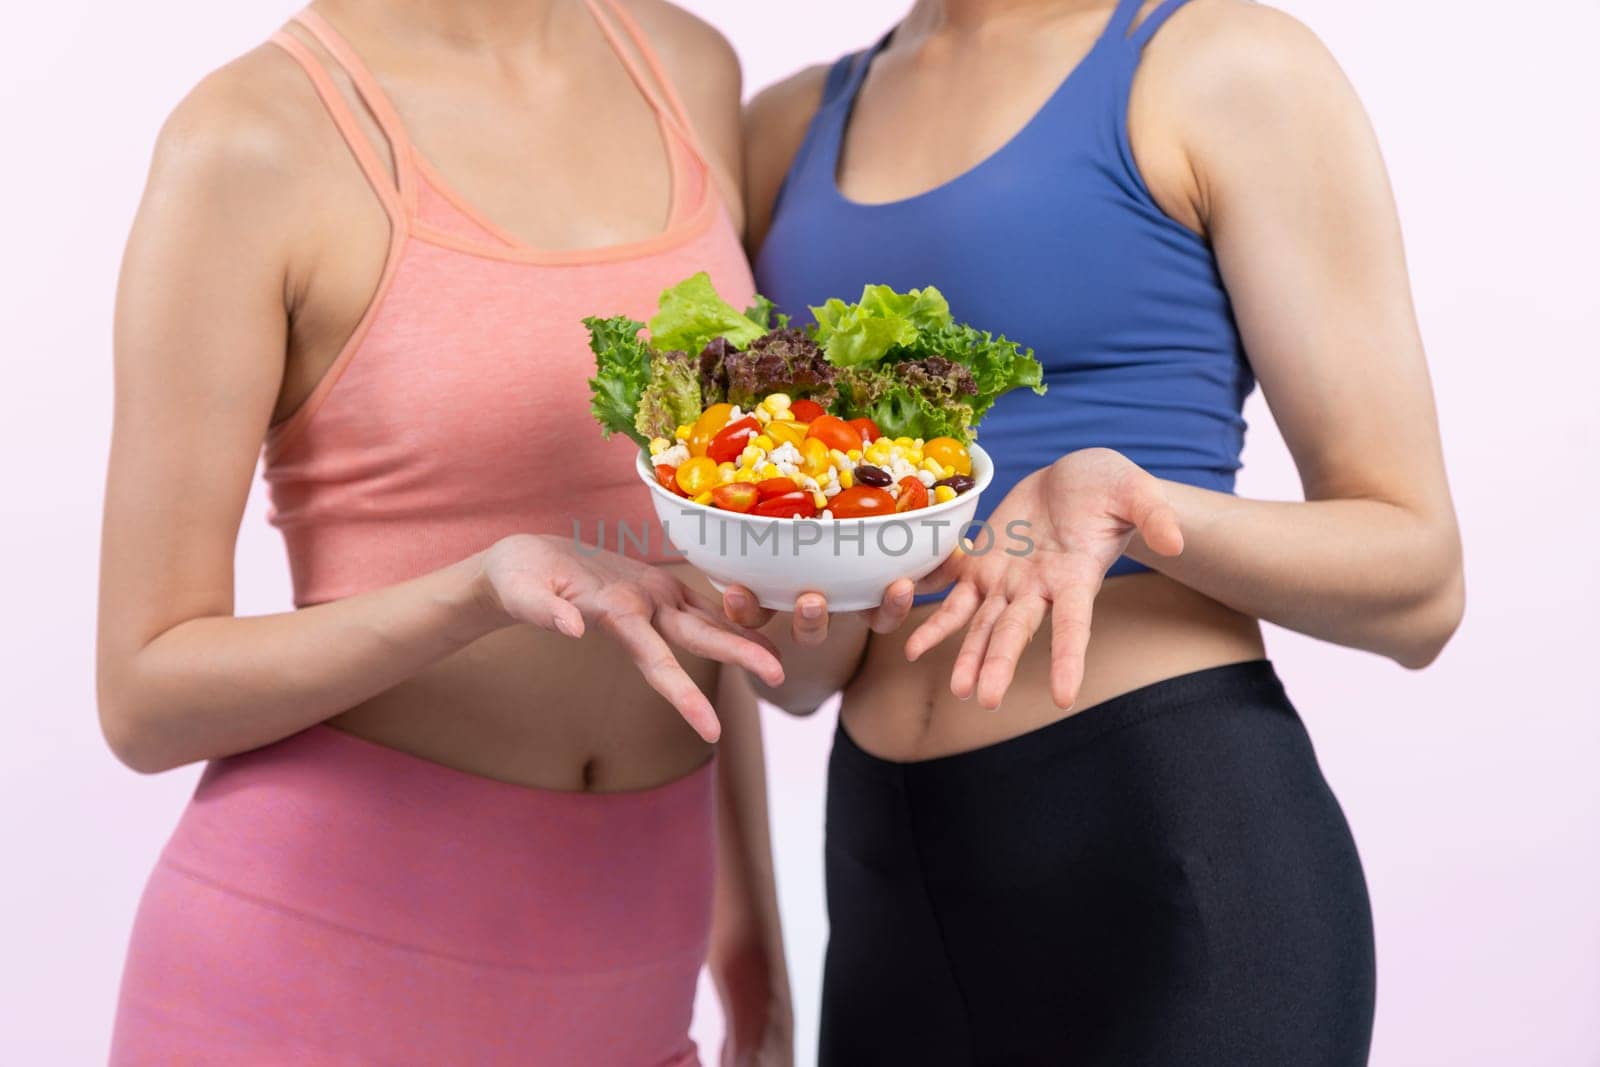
(1246, 130)
(1286, 176)
(206, 296)
(747, 956)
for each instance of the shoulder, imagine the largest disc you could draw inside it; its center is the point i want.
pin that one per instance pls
(775, 124)
(693, 50)
(1238, 60)
(241, 131)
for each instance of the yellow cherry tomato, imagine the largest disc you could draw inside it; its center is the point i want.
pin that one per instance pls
(791, 432)
(711, 420)
(948, 452)
(814, 457)
(697, 475)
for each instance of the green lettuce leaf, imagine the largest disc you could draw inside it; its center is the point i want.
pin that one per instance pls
(857, 334)
(764, 314)
(622, 373)
(904, 405)
(691, 314)
(998, 365)
(673, 396)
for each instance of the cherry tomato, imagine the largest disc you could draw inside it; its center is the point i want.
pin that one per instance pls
(913, 495)
(772, 487)
(787, 432)
(814, 458)
(835, 433)
(867, 429)
(806, 410)
(667, 476)
(788, 506)
(948, 452)
(731, 439)
(706, 426)
(735, 496)
(860, 502)
(697, 475)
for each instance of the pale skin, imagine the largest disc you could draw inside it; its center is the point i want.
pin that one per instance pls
(1247, 133)
(254, 254)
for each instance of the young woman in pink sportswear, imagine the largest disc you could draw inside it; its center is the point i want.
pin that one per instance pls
(439, 824)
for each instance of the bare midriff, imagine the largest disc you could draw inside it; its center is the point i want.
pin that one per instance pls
(1147, 628)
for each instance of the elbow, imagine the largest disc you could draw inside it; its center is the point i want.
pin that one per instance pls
(1428, 628)
(133, 736)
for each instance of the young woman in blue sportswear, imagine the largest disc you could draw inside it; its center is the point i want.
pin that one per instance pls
(1122, 852)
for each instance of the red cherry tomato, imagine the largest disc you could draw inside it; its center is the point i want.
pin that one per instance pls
(735, 496)
(861, 502)
(913, 495)
(772, 487)
(788, 506)
(732, 439)
(668, 477)
(835, 433)
(806, 410)
(867, 429)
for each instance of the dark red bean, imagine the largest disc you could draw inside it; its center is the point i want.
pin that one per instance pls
(959, 482)
(867, 474)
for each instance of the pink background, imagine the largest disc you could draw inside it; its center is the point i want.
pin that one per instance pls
(1471, 787)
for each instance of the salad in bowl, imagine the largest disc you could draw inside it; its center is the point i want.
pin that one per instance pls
(833, 458)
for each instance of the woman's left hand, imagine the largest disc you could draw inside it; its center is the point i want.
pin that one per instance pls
(1079, 514)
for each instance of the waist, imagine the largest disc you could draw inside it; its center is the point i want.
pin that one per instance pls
(1146, 628)
(393, 847)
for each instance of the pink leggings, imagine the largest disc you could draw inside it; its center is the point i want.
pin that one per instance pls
(327, 900)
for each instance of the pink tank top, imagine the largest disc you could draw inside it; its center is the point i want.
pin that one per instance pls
(458, 411)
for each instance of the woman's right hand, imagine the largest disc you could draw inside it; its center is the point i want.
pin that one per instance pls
(550, 583)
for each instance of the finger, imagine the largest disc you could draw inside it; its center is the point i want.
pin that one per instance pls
(740, 605)
(1012, 632)
(949, 571)
(710, 640)
(897, 600)
(720, 622)
(662, 671)
(543, 608)
(952, 615)
(964, 676)
(1069, 640)
(810, 626)
(1154, 517)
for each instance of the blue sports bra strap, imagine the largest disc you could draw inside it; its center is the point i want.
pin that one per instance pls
(1149, 26)
(839, 76)
(1121, 19)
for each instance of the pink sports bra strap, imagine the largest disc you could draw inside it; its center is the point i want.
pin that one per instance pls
(349, 127)
(657, 87)
(372, 95)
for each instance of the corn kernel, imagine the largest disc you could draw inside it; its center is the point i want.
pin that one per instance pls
(914, 456)
(943, 494)
(819, 498)
(725, 473)
(769, 470)
(703, 498)
(762, 441)
(750, 456)
(776, 402)
(744, 476)
(854, 454)
(948, 472)
(918, 443)
(846, 479)
(839, 459)
(932, 467)
(784, 415)
(682, 432)
(905, 442)
(658, 445)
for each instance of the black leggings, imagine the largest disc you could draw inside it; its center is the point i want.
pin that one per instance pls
(1162, 879)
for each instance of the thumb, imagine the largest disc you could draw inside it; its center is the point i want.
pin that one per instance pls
(544, 608)
(1154, 517)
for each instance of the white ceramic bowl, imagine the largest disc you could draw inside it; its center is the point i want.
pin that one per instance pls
(850, 561)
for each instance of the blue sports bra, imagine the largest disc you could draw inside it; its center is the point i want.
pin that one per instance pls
(1055, 241)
